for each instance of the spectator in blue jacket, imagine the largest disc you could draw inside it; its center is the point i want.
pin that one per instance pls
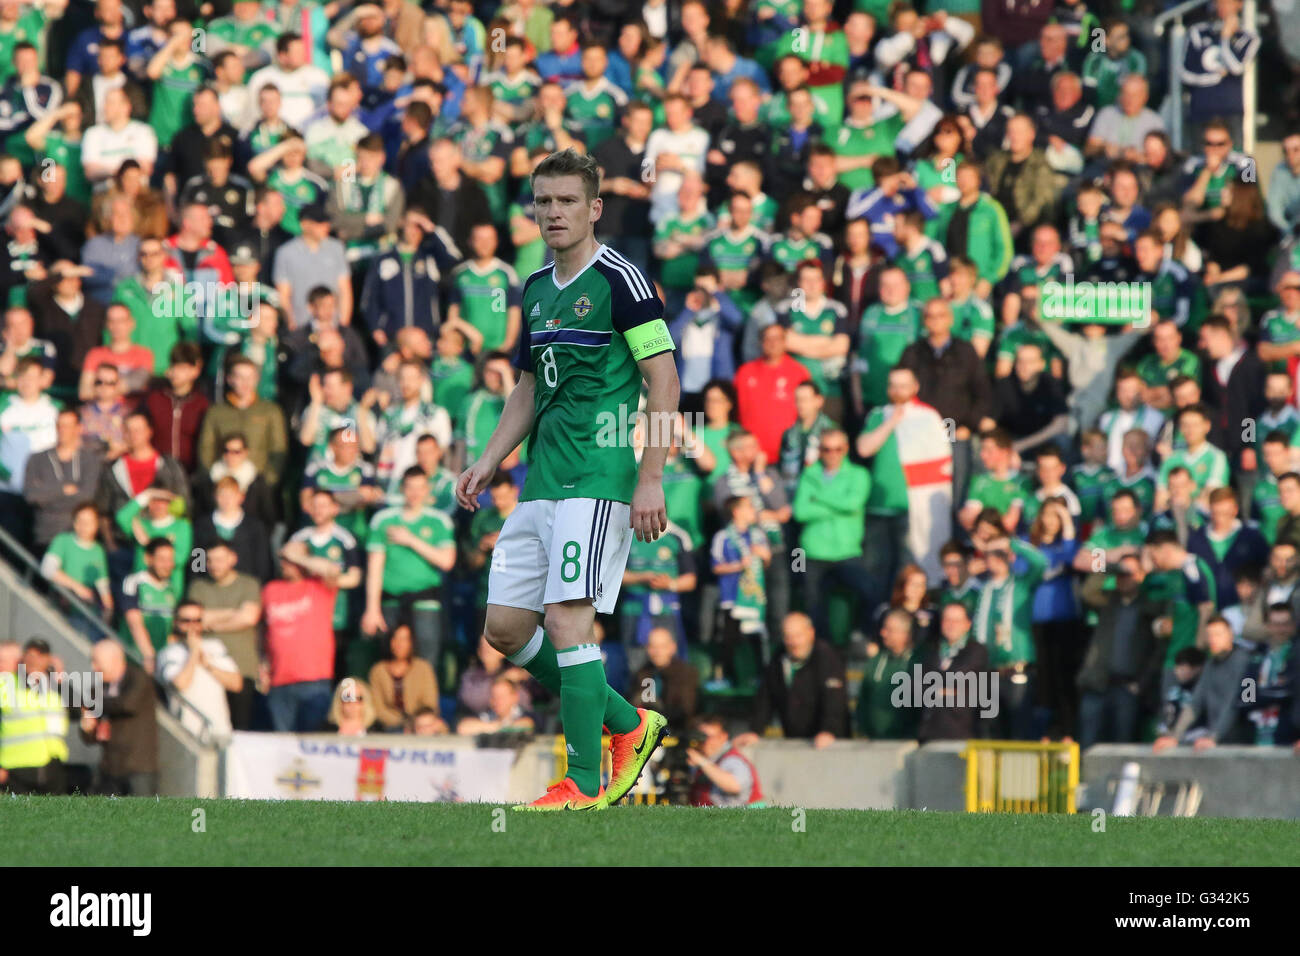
(705, 332)
(402, 286)
(895, 193)
(1214, 62)
(1227, 544)
(1056, 614)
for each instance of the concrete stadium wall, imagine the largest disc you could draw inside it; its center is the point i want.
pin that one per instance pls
(1234, 781)
(935, 778)
(1262, 782)
(186, 767)
(848, 775)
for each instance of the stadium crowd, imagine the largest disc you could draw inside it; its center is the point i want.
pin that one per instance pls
(262, 275)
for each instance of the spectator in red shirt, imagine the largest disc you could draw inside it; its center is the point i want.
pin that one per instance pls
(133, 362)
(765, 392)
(177, 409)
(298, 646)
(138, 468)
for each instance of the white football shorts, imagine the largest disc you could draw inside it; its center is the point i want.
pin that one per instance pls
(550, 551)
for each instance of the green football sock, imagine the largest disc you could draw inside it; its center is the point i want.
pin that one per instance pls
(582, 708)
(539, 659)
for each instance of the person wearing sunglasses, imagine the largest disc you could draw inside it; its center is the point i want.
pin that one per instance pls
(199, 671)
(1216, 167)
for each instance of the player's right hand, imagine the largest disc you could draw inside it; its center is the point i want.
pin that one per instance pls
(471, 483)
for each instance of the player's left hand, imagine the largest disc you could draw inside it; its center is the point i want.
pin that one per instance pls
(471, 483)
(649, 514)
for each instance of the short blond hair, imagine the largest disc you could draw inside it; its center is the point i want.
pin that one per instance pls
(570, 162)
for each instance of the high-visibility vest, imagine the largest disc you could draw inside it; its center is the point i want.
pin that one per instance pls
(33, 725)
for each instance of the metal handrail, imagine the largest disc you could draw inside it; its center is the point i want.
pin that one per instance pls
(1176, 13)
(1249, 95)
(13, 546)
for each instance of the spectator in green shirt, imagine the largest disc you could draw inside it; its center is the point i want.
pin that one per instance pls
(877, 716)
(830, 503)
(77, 561)
(410, 549)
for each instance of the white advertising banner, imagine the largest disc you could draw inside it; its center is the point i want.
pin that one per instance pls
(289, 767)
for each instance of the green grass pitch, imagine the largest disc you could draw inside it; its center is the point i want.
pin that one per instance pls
(89, 831)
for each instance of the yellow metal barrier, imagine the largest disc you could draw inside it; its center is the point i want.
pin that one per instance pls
(1020, 776)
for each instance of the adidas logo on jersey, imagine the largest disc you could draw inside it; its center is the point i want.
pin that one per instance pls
(537, 309)
(569, 747)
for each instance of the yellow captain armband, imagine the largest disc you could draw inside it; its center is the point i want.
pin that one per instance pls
(649, 338)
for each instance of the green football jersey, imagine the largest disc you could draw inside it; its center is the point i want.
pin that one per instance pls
(337, 545)
(1277, 328)
(883, 334)
(1089, 483)
(595, 110)
(329, 420)
(993, 492)
(929, 174)
(155, 600)
(924, 268)
(452, 379)
(254, 34)
(1014, 336)
(733, 252)
(973, 319)
(582, 341)
(530, 256)
(738, 253)
(485, 294)
(405, 571)
(485, 521)
(158, 326)
(1143, 486)
(1268, 507)
(828, 47)
(513, 90)
(683, 488)
(888, 494)
(346, 484)
(776, 112)
(790, 252)
(668, 555)
(1180, 592)
(299, 192)
(1110, 536)
(477, 419)
(29, 27)
(1025, 271)
(1208, 467)
(86, 565)
(478, 145)
(67, 153)
(1155, 372)
(876, 139)
(1104, 74)
(172, 94)
(1287, 421)
(679, 271)
(828, 319)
